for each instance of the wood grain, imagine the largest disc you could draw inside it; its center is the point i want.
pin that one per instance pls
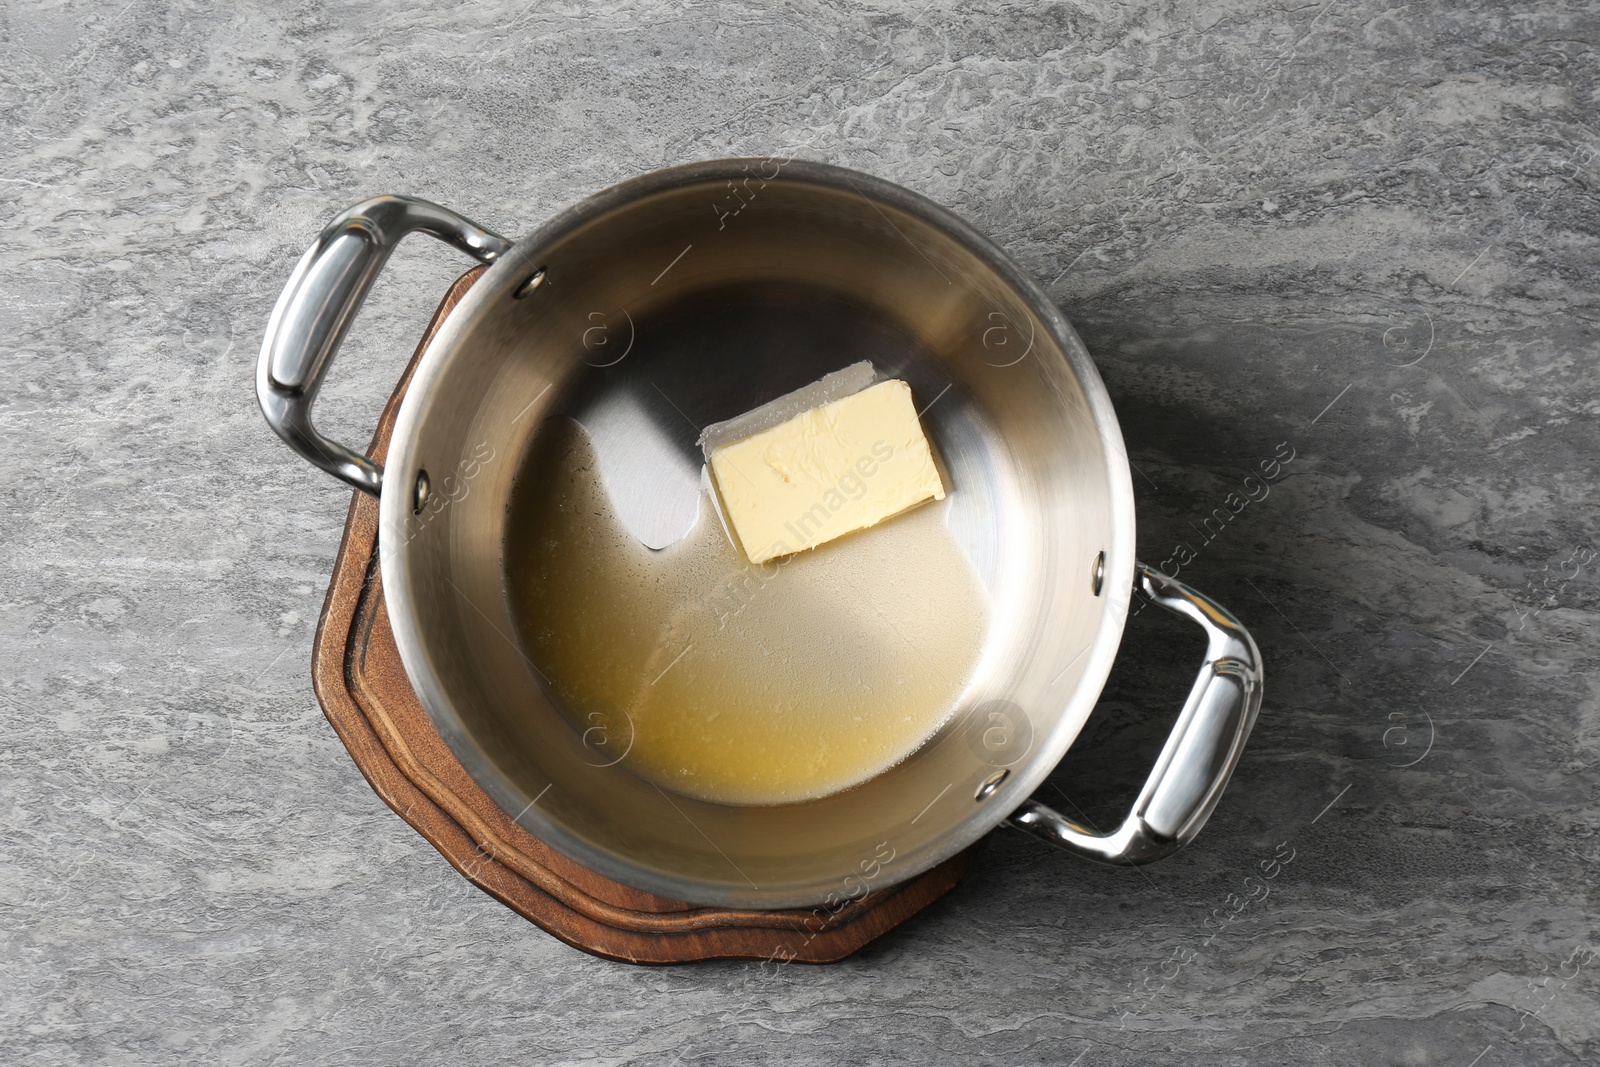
(364, 692)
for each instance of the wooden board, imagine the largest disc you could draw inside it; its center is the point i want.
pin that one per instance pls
(366, 695)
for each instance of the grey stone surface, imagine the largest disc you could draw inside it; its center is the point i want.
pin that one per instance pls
(1368, 233)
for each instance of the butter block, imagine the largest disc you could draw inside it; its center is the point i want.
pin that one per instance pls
(840, 467)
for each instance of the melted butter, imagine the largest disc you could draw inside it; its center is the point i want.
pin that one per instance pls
(739, 684)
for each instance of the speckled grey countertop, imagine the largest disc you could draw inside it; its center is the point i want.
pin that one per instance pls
(1368, 237)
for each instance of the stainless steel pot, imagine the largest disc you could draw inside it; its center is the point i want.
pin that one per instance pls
(718, 286)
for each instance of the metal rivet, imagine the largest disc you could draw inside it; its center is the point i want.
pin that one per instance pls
(420, 496)
(1098, 579)
(990, 784)
(534, 281)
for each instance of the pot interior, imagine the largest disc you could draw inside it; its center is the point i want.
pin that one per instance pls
(686, 298)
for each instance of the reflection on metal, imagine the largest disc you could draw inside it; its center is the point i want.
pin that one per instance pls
(1199, 756)
(535, 280)
(316, 308)
(420, 496)
(990, 784)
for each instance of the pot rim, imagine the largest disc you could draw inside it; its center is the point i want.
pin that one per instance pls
(510, 270)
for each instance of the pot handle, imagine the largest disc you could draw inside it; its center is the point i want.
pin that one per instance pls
(321, 300)
(1200, 754)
